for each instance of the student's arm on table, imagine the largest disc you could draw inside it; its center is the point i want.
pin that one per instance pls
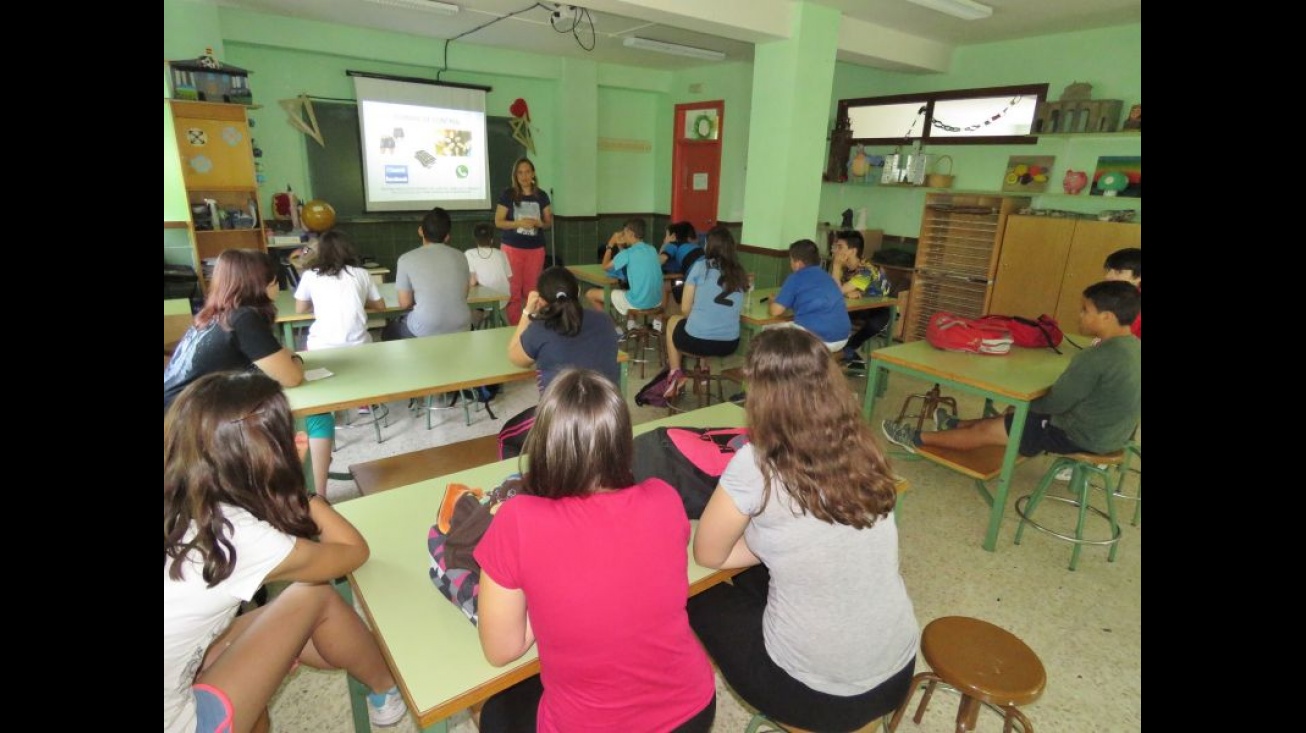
(339, 549)
(303, 306)
(719, 542)
(283, 365)
(502, 624)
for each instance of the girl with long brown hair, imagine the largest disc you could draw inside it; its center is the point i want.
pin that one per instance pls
(236, 516)
(819, 634)
(235, 328)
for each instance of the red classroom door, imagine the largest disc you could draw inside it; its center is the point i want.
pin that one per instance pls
(696, 163)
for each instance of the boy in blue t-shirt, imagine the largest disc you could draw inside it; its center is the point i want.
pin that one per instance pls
(814, 297)
(628, 251)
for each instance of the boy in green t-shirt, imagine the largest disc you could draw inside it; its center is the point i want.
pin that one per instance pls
(1094, 405)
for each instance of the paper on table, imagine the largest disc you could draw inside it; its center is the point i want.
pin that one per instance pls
(315, 374)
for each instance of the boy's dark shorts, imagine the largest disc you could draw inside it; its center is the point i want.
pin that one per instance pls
(1041, 436)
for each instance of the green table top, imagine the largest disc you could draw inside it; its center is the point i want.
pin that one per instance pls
(392, 370)
(593, 274)
(1023, 374)
(286, 302)
(431, 647)
(756, 313)
(179, 307)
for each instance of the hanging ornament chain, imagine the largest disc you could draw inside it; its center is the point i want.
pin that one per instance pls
(940, 124)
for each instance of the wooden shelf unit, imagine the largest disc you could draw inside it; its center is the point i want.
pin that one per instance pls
(956, 259)
(217, 163)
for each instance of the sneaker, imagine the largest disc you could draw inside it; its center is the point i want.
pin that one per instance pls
(365, 410)
(900, 435)
(631, 324)
(657, 325)
(944, 420)
(620, 331)
(386, 709)
(1063, 474)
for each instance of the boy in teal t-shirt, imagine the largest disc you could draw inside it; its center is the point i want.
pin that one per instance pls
(628, 251)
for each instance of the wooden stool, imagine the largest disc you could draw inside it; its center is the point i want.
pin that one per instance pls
(642, 336)
(701, 378)
(758, 720)
(1083, 467)
(985, 664)
(930, 401)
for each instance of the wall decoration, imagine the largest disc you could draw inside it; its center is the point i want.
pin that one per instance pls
(521, 124)
(1135, 119)
(1027, 173)
(1118, 176)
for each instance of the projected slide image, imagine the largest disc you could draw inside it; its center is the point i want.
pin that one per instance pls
(425, 145)
(455, 143)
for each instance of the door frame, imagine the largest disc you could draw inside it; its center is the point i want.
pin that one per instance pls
(679, 145)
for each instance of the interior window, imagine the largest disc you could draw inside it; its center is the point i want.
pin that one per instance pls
(993, 116)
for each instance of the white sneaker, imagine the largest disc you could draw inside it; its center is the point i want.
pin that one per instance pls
(657, 325)
(1063, 474)
(386, 709)
(631, 324)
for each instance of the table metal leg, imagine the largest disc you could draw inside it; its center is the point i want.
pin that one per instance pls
(1004, 479)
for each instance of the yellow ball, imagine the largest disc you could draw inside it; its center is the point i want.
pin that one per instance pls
(317, 216)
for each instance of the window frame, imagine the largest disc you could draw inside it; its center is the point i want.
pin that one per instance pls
(928, 99)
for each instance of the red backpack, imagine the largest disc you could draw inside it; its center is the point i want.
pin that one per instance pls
(952, 332)
(1030, 334)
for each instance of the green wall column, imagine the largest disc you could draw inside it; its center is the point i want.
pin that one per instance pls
(577, 128)
(792, 79)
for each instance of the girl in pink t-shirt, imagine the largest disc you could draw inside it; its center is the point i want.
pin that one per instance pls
(591, 565)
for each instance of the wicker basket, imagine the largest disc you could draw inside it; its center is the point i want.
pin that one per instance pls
(940, 180)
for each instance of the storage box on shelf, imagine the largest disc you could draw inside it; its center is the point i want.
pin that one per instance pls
(961, 236)
(217, 162)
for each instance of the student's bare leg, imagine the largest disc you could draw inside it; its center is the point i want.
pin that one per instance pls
(989, 431)
(595, 297)
(311, 623)
(320, 449)
(673, 355)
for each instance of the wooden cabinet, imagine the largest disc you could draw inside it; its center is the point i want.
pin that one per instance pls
(217, 162)
(956, 260)
(1046, 262)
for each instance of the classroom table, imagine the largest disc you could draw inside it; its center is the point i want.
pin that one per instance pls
(1017, 379)
(430, 646)
(384, 371)
(756, 314)
(598, 276)
(176, 320)
(478, 297)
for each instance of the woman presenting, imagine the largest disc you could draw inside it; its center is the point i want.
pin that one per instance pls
(524, 212)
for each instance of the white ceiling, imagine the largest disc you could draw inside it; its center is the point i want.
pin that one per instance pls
(735, 24)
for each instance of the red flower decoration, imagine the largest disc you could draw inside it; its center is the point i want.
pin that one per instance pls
(519, 109)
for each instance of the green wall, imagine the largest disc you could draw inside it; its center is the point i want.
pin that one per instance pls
(290, 56)
(981, 167)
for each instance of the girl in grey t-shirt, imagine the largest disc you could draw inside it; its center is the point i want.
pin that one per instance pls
(820, 634)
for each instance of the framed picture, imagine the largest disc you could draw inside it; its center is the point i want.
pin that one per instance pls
(1027, 173)
(1118, 176)
(1135, 119)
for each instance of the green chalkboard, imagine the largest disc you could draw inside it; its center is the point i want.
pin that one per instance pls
(335, 171)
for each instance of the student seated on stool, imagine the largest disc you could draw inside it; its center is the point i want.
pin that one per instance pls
(859, 278)
(628, 251)
(713, 300)
(814, 297)
(1093, 406)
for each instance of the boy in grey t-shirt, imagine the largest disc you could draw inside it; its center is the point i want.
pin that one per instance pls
(433, 280)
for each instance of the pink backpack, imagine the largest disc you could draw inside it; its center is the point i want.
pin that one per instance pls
(690, 459)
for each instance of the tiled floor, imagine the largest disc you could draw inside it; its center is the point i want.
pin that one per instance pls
(1085, 625)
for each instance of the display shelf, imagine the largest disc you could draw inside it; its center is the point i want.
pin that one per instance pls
(1118, 135)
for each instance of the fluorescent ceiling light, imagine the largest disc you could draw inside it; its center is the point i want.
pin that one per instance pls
(675, 49)
(430, 6)
(964, 9)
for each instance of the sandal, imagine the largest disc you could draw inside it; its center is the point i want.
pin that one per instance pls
(675, 381)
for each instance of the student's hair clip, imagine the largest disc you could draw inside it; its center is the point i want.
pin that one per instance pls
(560, 295)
